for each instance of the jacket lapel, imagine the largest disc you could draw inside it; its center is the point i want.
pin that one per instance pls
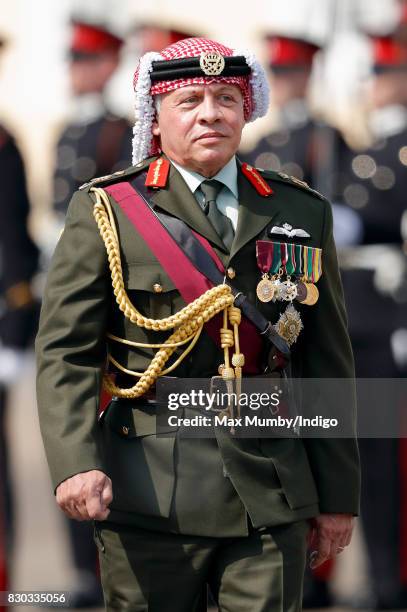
(255, 212)
(176, 198)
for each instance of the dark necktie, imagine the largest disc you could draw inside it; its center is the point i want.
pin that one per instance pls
(220, 222)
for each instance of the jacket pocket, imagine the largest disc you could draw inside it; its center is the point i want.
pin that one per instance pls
(293, 470)
(133, 419)
(140, 463)
(151, 290)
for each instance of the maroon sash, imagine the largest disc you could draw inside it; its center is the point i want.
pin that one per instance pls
(190, 282)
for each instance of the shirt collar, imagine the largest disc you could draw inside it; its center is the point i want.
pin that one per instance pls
(227, 175)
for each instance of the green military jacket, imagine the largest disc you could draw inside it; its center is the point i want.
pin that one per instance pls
(194, 486)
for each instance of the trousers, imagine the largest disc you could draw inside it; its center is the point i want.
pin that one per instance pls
(144, 570)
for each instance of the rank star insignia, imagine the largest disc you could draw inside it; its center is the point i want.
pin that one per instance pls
(212, 63)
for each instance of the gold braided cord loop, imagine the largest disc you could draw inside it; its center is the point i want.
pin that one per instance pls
(167, 370)
(235, 316)
(145, 344)
(188, 322)
(226, 337)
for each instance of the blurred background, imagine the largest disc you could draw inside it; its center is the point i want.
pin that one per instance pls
(338, 120)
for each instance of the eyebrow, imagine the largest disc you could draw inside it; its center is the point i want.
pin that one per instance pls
(184, 91)
(193, 91)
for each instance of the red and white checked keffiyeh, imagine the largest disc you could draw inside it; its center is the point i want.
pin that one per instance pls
(254, 87)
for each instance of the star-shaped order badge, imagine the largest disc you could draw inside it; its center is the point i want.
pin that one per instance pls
(289, 325)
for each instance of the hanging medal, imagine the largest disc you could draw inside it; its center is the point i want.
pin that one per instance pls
(289, 288)
(278, 286)
(312, 268)
(268, 258)
(301, 292)
(299, 273)
(289, 325)
(265, 288)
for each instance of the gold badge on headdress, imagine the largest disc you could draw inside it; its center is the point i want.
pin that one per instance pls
(212, 63)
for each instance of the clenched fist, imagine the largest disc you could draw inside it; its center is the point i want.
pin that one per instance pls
(329, 535)
(86, 496)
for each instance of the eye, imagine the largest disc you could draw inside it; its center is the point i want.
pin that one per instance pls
(190, 100)
(227, 98)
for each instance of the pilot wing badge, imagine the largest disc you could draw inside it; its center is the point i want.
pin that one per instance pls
(287, 230)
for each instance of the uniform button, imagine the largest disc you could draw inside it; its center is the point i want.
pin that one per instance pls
(125, 430)
(231, 272)
(157, 288)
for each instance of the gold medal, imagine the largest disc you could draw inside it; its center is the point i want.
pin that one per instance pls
(289, 325)
(312, 294)
(265, 289)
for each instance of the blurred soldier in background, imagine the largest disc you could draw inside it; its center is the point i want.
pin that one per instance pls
(153, 37)
(401, 32)
(96, 142)
(300, 144)
(371, 188)
(18, 310)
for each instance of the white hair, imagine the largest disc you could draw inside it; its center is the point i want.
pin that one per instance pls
(157, 102)
(147, 106)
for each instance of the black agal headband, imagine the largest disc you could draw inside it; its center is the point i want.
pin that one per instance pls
(210, 63)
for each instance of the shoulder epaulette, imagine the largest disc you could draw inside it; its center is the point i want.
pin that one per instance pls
(109, 178)
(291, 180)
(157, 174)
(254, 177)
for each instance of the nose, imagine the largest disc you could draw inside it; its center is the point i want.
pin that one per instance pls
(210, 111)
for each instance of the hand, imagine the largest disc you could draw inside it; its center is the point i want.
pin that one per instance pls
(329, 535)
(85, 496)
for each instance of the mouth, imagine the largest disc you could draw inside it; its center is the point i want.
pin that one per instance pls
(210, 136)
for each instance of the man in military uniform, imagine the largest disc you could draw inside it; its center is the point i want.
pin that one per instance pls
(173, 512)
(96, 141)
(371, 191)
(18, 309)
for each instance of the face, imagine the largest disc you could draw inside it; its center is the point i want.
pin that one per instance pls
(387, 88)
(200, 126)
(289, 86)
(90, 75)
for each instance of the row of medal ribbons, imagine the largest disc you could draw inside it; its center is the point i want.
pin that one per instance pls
(289, 272)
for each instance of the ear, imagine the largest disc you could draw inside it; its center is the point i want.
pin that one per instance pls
(155, 128)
